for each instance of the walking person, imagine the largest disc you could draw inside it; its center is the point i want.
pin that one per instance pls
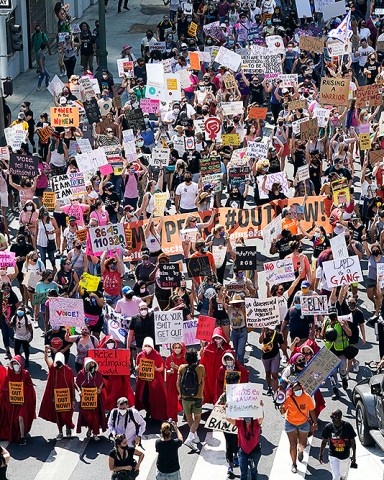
(126, 420)
(121, 462)
(167, 464)
(44, 74)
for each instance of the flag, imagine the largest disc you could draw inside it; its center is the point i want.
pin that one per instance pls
(344, 30)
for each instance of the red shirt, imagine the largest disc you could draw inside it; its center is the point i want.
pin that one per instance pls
(248, 435)
(112, 283)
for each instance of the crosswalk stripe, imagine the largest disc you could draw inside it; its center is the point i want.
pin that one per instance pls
(63, 459)
(282, 462)
(149, 442)
(211, 462)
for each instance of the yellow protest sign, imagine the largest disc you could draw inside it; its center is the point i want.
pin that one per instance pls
(146, 369)
(230, 139)
(64, 116)
(160, 202)
(365, 141)
(89, 398)
(16, 393)
(49, 200)
(192, 29)
(82, 234)
(89, 282)
(62, 399)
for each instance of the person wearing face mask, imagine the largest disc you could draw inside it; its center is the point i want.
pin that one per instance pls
(186, 194)
(126, 420)
(271, 341)
(141, 326)
(105, 103)
(128, 306)
(110, 199)
(240, 284)
(23, 332)
(16, 418)
(77, 210)
(121, 460)
(60, 385)
(298, 408)
(26, 188)
(151, 395)
(84, 342)
(229, 364)
(219, 239)
(67, 279)
(375, 256)
(21, 248)
(299, 325)
(91, 415)
(112, 269)
(172, 364)
(144, 269)
(147, 42)
(78, 258)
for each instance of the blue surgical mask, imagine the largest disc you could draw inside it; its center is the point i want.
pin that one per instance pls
(20, 313)
(240, 274)
(298, 393)
(222, 234)
(298, 306)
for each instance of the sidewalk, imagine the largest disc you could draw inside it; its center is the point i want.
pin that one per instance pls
(128, 27)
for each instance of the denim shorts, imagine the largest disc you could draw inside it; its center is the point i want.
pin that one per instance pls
(289, 427)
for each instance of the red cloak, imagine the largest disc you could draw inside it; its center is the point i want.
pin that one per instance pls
(212, 361)
(58, 378)
(156, 389)
(173, 404)
(115, 386)
(244, 376)
(92, 418)
(9, 412)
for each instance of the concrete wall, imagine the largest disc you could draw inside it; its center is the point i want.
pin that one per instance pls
(78, 7)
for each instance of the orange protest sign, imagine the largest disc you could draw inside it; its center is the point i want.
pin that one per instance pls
(44, 134)
(82, 234)
(258, 113)
(146, 369)
(89, 398)
(65, 116)
(49, 200)
(194, 60)
(16, 393)
(62, 398)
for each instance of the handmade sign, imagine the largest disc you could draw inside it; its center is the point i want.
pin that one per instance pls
(64, 116)
(148, 105)
(314, 304)
(146, 369)
(257, 149)
(267, 181)
(89, 282)
(296, 104)
(217, 421)
(262, 312)
(257, 113)
(117, 324)
(246, 258)
(4, 154)
(23, 165)
(169, 275)
(194, 60)
(44, 134)
(135, 119)
(280, 271)
(66, 312)
(107, 237)
(339, 247)
(243, 400)
(198, 266)
(272, 66)
(16, 393)
(230, 139)
(302, 173)
(82, 234)
(311, 44)
(189, 332)
(205, 327)
(39, 298)
(160, 202)
(343, 271)
(289, 80)
(168, 327)
(228, 58)
(7, 259)
(336, 48)
(62, 399)
(112, 362)
(322, 115)
(232, 108)
(275, 45)
(92, 111)
(88, 398)
(368, 95)
(365, 141)
(380, 274)
(219, 253)
(212, 127)
(334, 91)
(272, 231)
(309, 130)
(125, 68)
(230, 82)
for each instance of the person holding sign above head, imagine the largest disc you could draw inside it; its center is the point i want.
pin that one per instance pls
(59, 395)
(150, 390)
(89, 384)
(17, 403)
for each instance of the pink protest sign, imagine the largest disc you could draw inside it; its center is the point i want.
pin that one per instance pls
(66, 312)
(7, 259)
(149, 105)
(106, 169)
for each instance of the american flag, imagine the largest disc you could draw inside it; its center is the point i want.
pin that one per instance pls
(344, 30)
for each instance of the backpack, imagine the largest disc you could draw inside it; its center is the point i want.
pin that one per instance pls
(189, 384)
(131, 418)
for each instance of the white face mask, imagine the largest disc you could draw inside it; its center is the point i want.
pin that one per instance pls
(16, 368)
(147, 349)
(122, 412)
(110, 346)
(230, 363)
(29, 208)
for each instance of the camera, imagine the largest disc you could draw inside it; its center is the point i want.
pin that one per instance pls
(172, 424)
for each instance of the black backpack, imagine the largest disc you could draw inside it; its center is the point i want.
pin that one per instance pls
(189, 384)
(129, 416)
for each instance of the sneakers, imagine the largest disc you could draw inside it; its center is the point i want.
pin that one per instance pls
(294, 468)
(22, 441)
(196, 438)
(300, 456)
(59, 436)
(269, 391)
(191, 445)
(344, 382)
(68, 432)
(336, 394)
(355, 366)
(235, 462)
(89, 433)
(35, 324)
(230, 473)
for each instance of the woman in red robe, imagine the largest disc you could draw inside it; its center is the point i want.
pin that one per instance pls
(172, 364)
(150, 394)
(61, 380)
(115, 386)
(92, 417)
(230, 364)
(16, 417)
(211, 358)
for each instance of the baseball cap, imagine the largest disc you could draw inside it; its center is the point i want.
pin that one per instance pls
(21, 116)
(305, 284)
(126, 290)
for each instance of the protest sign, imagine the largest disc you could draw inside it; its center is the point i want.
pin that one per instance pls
(275, 44)
(7, 259)
(368, 95)
(272, 66)
(39, 298)
(322, 115)
(230, 82)
(333, 10)
(209, 166)
(303, 173)
(88, 89)
(4, 154)
(62, 399)
(107, 237)
(257, 149)
(84, 145)
(189, 332)
(341, 196)
(380, 274)
(23, 165)
(169, 275)
(16, 393)
(89, 398)
(217, 421)
(117, 324)
(64, 116)
(44, 134)
(309, 130)
(288, 80)
(376, 156)
(262, 312)
(77, 183)
(296, 104)
(125, 68)
(213, 30)
(146, 369)
(198, 266)
(189, 234)
(318, 370)
(62, 188)
(314, 304)
(15, 136)
(272, 231)
(243, 400)
(267, 181)
(246, 258)
(192, 29)
(364, 141)
(339, 247)
(279, 271)
(160, 202)
(258, 113)
(334, 91)
(112, 362)
(89, 282)
(228, 58)
(66, 312)
(237, 177)
(168, 327)
(148, 105)
(160, 156)
(230, 139)
(49, 200)
(92, 111)
(135, 119)
(172, 90)
(320, 4)
(219, 253)
(205, 327)
(194, 60)
(343, 271)
(311, 44)
(82, 234)
(336, 48)
(55, 86)
(232, 108)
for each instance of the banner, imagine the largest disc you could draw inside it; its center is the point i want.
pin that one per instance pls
(23, 165)
(217, 421)
(112, 362)
(246, 258)
(314, 304)
(88, 398)
(343, 271)
(64, 117)
(146, 369)
(243, 400)
(16, 393)
(205, 327)
(89, 282)
(334, 91)
(280, 271)
(262, 312)
(107, 237)
(66, 312)
(168, 327)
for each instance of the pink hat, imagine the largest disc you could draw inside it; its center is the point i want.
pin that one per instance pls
(126, 47)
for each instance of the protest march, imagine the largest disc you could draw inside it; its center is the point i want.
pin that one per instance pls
(191, 244)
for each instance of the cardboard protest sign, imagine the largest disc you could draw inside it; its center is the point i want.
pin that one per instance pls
(376, 156)
(92, 111)
(64, 116)
(272, 231)
(87, 86)
(217, 421)
(339, 247)
(230, 82)
(309, 130)
(237, 177)
(82, 234)
(62, 188)
(125, 68)
(230, 139)
(7, 259)
(62, 399)
(112, 362)
(107, 237)
(334, 91)
(258, 113)
(169, 275)
(243, 400)
(89, 398)
(311, 44)
(246, 258)
(368, 95)
(296, 104)
(168, 327)
(16, 393)
(39, 298)
(262, 312)
(205, 327)
(66, 312)
(343, 271)
(89, 282)
(198, 266)
(44, 134)
(23, 165)
(318, 370)
(146, 369)
(314, 304)
(280, 271)
(364, 141)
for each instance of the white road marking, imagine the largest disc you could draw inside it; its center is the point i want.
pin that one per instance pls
(211, 462)
(282, 461)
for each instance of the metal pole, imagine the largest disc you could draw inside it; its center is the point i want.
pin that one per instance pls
(103, 54)
(2, 121)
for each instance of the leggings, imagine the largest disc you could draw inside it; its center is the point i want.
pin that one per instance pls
(275, 109)
(5, 332)
(24, 344)
(231, 446)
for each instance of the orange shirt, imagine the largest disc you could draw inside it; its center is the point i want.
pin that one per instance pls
(290, 224)
(298, 416)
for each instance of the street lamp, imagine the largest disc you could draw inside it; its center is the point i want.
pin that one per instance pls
(103, 54)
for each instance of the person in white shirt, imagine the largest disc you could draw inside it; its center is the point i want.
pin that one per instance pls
(363, 51)
(186, 194)
(127, 421)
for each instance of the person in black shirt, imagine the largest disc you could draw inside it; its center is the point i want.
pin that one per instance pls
(87, 46)
(110, 199)
(142, 326)
(256, 90)
(371, 69)
(121, 459)
(21, 249)
(7, 114)
(341, 438)
(271, 341)
(55, 338)
(282, 246)
(167, 448)
(357, 228)
(338, 168)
